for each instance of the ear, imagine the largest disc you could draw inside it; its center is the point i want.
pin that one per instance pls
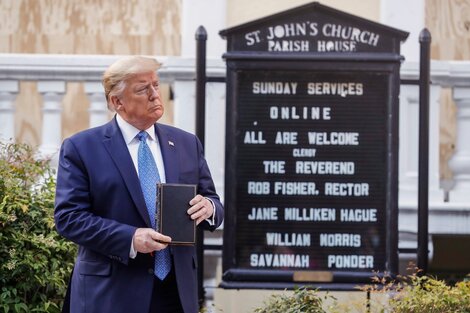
(115, 102)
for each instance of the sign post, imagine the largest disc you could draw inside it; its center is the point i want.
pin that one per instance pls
(312, 150)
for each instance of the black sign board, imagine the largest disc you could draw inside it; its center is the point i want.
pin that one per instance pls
(311, 156)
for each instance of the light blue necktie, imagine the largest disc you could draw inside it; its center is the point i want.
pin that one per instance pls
(149, 177)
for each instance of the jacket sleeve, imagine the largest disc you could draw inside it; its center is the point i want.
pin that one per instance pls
(206, 188)
(74, 215)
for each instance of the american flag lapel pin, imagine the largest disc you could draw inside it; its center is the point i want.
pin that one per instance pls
(171, 143)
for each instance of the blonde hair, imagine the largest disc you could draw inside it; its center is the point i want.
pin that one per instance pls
(114, 78)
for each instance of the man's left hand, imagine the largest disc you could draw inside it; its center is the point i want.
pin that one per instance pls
(201, 209)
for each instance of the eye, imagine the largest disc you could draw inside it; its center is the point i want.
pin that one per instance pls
(142, 90)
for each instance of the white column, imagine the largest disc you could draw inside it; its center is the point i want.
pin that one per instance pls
(409, 143)
(411, 19)
(212, 15)
(8, 92)
(436, 194)
(185, 105)
(460, 161)
(98, 105)
(408, 148)
(52, 93)
(215, 133)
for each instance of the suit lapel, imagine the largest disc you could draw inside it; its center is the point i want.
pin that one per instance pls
(168, 147)
(117, 149)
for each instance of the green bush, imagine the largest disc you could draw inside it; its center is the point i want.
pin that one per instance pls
(417, 293)
(429, 295)
(408, 294)
(302, 300)
(35, 262)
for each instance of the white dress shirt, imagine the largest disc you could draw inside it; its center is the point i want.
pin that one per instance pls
(129, 133)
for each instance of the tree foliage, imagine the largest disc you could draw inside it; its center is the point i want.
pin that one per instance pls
(35, 262)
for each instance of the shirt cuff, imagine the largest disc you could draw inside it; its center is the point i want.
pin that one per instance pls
(132, 253)
(211, 220)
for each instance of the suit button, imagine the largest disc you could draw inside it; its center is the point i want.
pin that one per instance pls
(150, 271)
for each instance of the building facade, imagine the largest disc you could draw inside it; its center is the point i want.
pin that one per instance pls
(52, 55)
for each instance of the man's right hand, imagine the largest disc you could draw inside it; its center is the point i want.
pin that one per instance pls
(147, 240)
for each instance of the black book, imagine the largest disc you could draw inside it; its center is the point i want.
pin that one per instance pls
(172, 218)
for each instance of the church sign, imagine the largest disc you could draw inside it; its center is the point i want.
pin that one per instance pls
(312, 150)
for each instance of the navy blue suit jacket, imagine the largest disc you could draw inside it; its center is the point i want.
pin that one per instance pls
(99, 205)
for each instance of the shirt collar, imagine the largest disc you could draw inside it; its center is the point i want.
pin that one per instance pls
(129, 132)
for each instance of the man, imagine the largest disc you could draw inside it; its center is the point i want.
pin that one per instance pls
(105, 192)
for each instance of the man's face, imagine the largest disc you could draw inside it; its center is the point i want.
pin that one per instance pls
(140, 103)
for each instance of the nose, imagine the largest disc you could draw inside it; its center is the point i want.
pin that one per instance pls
(153, 92)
